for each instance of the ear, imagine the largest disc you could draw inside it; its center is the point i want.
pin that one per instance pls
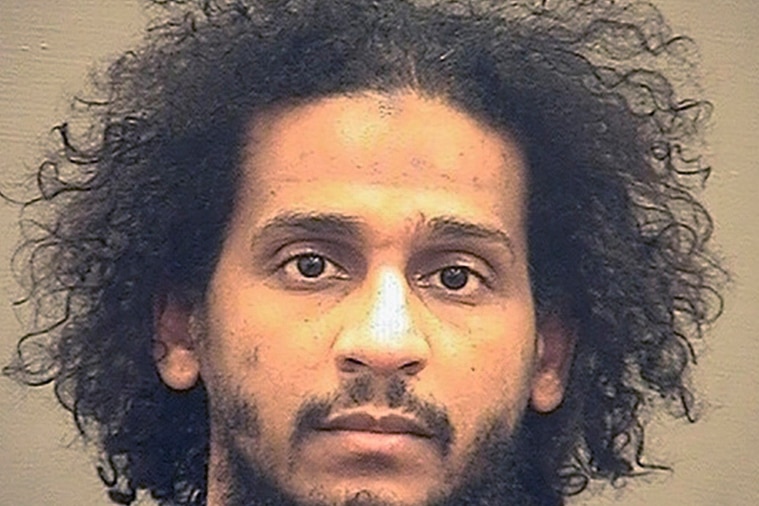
(174, 350)
(556, 343)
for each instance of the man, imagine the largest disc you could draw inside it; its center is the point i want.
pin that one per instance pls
(373, 253)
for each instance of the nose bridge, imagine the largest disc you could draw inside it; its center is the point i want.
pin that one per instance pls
(383, 337)
(389, 318)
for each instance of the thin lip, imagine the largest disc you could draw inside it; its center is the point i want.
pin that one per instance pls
(391, 423)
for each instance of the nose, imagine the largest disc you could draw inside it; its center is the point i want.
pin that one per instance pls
(381, 335)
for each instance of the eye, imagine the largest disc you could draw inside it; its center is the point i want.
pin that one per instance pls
(456, 281)
(311, 266)
(307, 269)
(454, 278)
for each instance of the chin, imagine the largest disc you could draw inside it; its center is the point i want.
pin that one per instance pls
(377, 493)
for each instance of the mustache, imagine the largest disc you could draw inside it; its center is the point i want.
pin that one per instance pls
(365, 389)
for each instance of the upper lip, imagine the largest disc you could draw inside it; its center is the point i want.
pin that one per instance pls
(390, 423)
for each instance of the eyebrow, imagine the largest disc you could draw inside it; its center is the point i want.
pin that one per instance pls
(313, 224)
(442, 229)
(449, 229)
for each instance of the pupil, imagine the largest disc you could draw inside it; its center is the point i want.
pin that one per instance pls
(454, 278)
(311, 266)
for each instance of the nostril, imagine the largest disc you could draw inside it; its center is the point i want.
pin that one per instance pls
(412, 368)
(350, 364)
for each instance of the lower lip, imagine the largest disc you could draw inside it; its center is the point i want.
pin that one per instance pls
(364, 455)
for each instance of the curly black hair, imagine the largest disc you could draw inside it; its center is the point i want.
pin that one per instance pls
(136, 205)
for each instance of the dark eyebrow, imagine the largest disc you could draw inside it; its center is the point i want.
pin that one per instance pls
(312, 224)
(450, 229)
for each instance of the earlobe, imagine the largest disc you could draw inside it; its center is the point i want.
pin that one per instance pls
(174, 350)
(555, 349)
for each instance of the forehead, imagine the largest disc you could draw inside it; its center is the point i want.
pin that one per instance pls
(398, 154)
(356, 128)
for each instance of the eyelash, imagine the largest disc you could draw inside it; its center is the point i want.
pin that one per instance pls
(474, 283)
(291, 262)
(433, 280)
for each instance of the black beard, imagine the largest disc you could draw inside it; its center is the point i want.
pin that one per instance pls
(502, 470)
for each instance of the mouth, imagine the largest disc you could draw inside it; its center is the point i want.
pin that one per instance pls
(371, 441)
(389, 424)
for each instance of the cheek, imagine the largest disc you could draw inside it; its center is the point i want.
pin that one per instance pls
(485, 364)
(249, 319)
(270, 349)
(259, 358)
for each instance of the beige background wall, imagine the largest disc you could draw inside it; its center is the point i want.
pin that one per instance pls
(46, 48)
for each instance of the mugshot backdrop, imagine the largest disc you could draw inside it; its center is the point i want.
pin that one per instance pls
(47, 47)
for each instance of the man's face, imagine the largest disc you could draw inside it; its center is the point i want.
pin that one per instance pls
(370, 318)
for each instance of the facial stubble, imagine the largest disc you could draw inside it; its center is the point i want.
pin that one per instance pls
(498, 470)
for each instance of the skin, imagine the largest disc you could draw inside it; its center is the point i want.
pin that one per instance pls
(383, 196)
